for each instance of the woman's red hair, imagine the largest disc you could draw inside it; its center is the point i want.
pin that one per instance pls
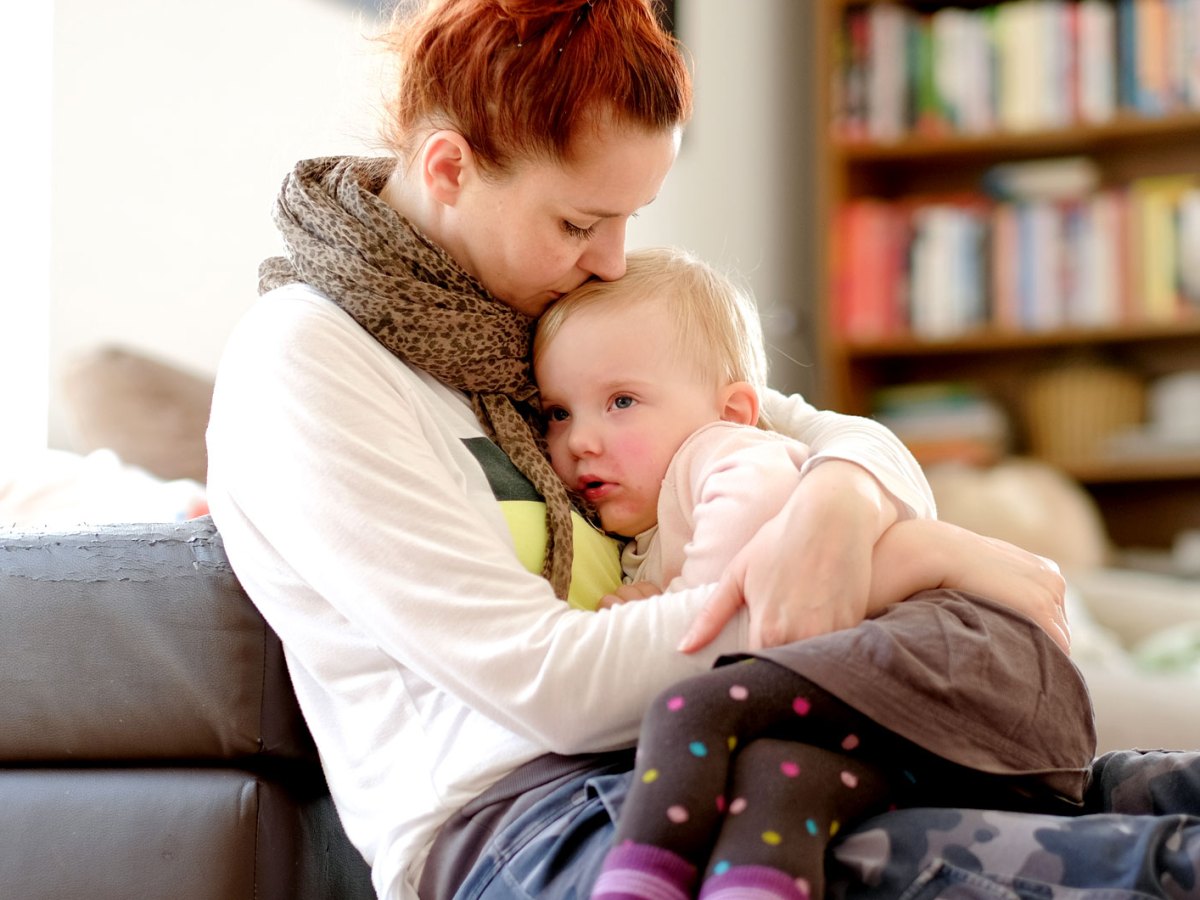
(519, 78)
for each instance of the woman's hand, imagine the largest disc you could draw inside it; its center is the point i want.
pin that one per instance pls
(808, 570)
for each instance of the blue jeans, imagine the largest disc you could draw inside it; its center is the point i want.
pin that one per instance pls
(1140, 838)
(554, 851)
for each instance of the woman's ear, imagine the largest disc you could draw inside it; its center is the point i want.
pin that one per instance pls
(445, 159)
(739, 403)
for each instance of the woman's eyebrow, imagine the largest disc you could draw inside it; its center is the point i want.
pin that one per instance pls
(597, 213)
(605, 214)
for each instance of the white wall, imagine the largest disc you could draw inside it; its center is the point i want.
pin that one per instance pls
(26, 60)
(738, 196)
(174, 125)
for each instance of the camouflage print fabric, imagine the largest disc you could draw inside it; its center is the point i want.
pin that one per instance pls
(1139, 836)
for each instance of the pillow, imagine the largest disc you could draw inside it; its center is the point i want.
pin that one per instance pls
(149, 412)
(1026, 502)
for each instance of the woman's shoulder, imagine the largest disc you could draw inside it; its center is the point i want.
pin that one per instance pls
(298, 328)
(294, 342)
(296, 312)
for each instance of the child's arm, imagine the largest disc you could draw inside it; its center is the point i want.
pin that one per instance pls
(909, 556)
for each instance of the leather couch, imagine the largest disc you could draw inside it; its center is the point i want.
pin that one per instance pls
(150, 742)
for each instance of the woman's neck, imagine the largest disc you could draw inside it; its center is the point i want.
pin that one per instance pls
(400, 196)
(403, 194)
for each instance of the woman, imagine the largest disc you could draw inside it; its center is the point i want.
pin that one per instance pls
(376, 404)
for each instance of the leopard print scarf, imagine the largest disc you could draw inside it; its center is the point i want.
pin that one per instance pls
(343, 240)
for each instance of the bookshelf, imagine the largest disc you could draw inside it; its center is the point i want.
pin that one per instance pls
(1059, 196)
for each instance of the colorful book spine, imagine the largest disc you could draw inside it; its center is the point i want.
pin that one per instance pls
(1019, 65)
(939, 268)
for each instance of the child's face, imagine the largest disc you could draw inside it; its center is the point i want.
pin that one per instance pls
(618, 405)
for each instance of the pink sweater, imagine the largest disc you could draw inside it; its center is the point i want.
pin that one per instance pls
(723, 484)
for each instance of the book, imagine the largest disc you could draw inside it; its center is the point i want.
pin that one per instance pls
(1043, 179)
(867, 271)
(1189, 249)
(944, 421)
(1155, 201)
(887, 25)
(1096, 85)
(1151, 96)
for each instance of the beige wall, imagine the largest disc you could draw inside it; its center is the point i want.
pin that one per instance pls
(173, 125)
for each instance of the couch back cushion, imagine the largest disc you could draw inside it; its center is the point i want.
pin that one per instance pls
(136, 642)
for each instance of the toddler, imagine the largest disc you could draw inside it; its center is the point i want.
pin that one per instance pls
(650, 388)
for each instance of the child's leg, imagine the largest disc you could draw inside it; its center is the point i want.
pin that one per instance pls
(787, 801)
(670, 818)
(679, 795)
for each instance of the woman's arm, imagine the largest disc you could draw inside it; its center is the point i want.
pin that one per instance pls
(810, 570)
(370, 550)
(911, 555)
(919, 554)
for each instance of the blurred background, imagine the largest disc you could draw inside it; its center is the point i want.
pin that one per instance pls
(978, 222)
(160, 133)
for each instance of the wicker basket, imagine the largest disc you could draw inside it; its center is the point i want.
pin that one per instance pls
(1071, 410)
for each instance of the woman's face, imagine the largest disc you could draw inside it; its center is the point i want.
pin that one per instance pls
(546, 228)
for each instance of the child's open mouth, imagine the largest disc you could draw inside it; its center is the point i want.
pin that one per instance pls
(594, 490)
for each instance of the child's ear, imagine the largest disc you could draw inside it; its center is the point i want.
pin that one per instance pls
(739, 403)
(445, 159)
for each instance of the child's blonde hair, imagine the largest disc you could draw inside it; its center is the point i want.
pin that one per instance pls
(717, 328)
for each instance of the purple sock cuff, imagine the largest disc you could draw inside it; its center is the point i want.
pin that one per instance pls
(641, 870)
(752, 883)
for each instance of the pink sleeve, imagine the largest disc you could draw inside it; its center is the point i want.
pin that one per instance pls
(729, 481)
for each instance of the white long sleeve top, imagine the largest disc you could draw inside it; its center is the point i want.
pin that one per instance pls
(428, 661)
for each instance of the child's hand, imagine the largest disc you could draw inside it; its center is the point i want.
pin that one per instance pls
(639, 590)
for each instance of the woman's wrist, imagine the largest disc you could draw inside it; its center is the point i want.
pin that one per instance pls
(909, 557)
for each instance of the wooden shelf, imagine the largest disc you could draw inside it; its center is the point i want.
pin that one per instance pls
(1159, 468)
(994, 341)
(1122, 130)
(1144, 500)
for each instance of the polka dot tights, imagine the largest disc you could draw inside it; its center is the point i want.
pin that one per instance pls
(744, 774)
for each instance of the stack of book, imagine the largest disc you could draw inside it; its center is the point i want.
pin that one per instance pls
(938, 268)
(944, 422)
(1017, 66)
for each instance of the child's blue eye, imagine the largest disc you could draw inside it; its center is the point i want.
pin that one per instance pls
(623, 402)
(558, 414)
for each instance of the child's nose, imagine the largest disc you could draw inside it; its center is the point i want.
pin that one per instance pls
(584, 438)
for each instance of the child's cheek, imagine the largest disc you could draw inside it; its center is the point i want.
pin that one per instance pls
(640, 455)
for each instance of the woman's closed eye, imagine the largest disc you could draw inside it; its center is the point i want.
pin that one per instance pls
(578, 231)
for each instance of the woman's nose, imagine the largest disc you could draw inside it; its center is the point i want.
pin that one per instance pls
(605, 254)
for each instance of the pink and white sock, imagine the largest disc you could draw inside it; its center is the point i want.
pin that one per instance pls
(642, 872)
